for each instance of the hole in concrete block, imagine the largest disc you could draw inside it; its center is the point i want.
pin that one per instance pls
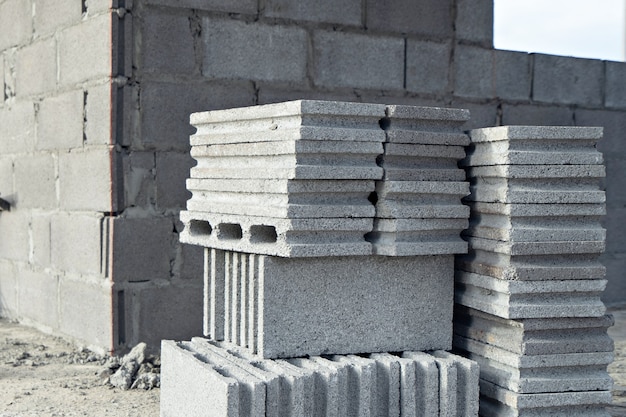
(229, 231)
(200, 227)
(263, 234)
(384, 123)
(373, 198)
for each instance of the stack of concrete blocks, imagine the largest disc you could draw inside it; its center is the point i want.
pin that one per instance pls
(293, 203)
(528, 292)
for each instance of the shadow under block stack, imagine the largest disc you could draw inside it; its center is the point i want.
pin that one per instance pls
(528, 292)
(295, 203)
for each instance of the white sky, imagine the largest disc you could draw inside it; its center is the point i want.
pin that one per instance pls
(581, 28)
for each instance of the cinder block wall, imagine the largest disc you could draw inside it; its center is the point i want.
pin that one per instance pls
(94, 130)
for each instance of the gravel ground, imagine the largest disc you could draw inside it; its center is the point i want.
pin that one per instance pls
(41, 375)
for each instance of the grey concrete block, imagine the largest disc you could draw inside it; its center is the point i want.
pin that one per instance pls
(84, 321)
(41, 243)
(362, 384)
(358, 61)
(448, 382)
(167, 43)
(172, 169)
(539, 210)
(484, 114)
(35, 182)
(15, 244)
(139, 178)
(537, 248)
(236, 6)
(530, 299)
(312, 326)
(512, 76)
(99, 115)
(421, 199)
(533, 267)
(60, 121)
(430, 18)
(544, 402)
(93, 192)
(493, 408)
(474, 72)
(96, 56)
(8, 290)
(467, 383)
(474, 21)
(185, 380)
(49, 17)
(520, 191)
(165, 109)
(614, 264)
(614, 89)
(567, 80)
(142, 248)
(16, 23)
(275, 236)
(565, 172)
(78, 243)
(523, 114)
(427, 66)
(17, 127)
(345, 12)
(613, 123)
(426, 124)
(36, 68)
(272, 53)
(535, 336)
(389, 369)
(38, 298)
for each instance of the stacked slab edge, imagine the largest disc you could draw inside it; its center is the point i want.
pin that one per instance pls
(527, 294)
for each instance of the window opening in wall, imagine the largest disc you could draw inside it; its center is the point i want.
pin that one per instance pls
(581, 28)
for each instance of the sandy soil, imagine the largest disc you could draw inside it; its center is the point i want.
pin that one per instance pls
(42, 375)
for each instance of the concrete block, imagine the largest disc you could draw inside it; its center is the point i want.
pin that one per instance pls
(448, 383)
(512, 76)
(614, 190)
(539, 373)
(8, 290)
(483, 114)
(94, 60)
(142, 248)
(344, 12)
(271, 53)
(537, 248)
(362, 383)
(467, 383)
(60, 121)
(533, 267)
(427, 66)
(565, 172)
(41, 243)
(474, 22)
(613, 123)
(553, 403)
(36, 68)
(14, 227)
(49, 17)
(236, 6)
(430, 18)
(358, 61)
(165, 109)
(6, 179)
(16, 25)
(567, 80)
(139, 179)
(153, 321)
(522, 114)
(615, 263)
(539, 210)
(535, 336)
(275, 236)
(614, 89)
(288, 335)
(17, 127)
(167, 41)
(38, 297)
(35, 182)
(615, 234)
(90, 320)
(190, 262)
(93, 192)
(529, 299)
(185, 380)
(99, 115)
(474, 72)
(78, 243)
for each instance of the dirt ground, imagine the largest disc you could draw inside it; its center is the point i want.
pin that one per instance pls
(41, 375)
